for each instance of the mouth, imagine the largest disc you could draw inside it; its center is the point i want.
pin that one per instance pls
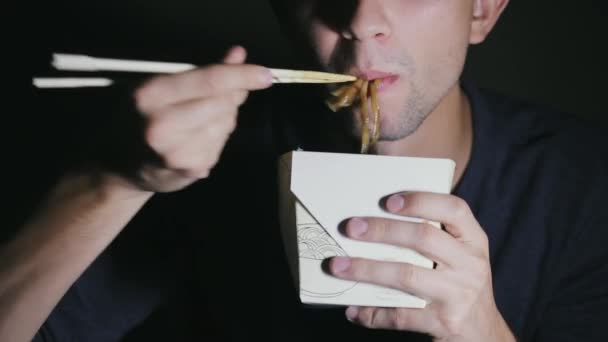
(386, 79)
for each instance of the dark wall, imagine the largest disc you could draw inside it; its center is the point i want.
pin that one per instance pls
(551, 51)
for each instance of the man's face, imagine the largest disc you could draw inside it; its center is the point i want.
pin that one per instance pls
(416, 47)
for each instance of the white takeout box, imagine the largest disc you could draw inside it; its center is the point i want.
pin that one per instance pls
(320, 190)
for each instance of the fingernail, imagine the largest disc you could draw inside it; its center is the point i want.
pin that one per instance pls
(395, 203)
(340, 264)
(351, 313)
(266, 76)
(357, 227)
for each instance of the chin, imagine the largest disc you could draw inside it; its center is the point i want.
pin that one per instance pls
(385, 118)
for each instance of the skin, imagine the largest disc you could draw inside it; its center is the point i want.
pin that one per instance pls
(425, 113)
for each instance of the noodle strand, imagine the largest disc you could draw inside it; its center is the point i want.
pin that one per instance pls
(346, 95)
(364, 119)
(375, 111)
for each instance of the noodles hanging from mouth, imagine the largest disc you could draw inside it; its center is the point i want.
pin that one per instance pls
(364, 118)
(346, 96)
(375, 111)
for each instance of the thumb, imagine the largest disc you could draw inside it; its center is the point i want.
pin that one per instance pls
(235, 55)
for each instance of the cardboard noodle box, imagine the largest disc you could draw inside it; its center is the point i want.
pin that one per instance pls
(319, 190)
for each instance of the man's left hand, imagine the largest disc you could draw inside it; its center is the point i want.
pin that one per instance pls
(459, 290)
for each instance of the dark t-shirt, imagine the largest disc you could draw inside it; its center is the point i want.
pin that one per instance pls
(215, 267)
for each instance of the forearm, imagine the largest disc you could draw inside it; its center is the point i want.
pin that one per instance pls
(78, 221)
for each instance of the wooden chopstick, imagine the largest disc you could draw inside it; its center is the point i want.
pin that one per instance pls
(70, 62)
(304, 76)
(71, 82)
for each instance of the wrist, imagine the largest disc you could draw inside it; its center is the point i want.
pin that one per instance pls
(112, 187)
(98, 186)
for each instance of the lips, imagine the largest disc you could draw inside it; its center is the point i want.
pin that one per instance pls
(386, 78)
(371, 75)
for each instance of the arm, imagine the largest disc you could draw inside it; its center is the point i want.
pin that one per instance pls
(78, 221)
(188, 117)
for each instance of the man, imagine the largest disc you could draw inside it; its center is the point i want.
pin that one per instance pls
(522, 256)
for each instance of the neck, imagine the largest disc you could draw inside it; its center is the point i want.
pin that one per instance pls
(446, 133)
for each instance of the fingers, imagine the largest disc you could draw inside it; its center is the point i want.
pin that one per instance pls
(235, 55)
(415, 320)
(209, 81)
(189, 133)
(193, 160)
(179, 123)
(189, 117)
(456, 291)
(171, 179)
(419, 281)
(197, 159)
(450, 210)
(424, 238)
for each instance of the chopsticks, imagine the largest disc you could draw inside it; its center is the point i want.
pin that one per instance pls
(71, 82)
(71, 62)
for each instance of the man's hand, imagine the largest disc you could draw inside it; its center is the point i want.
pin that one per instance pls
(189, 117)
(459, 289)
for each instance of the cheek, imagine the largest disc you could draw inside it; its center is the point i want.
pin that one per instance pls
(440, 31)
(325, 41)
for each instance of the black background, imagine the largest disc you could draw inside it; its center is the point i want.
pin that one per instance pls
(549, 51)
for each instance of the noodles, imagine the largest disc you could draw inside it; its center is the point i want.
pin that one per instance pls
(346, 96)
(375, 111)
(364, 119)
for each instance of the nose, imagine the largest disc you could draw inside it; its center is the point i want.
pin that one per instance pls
(368, 22)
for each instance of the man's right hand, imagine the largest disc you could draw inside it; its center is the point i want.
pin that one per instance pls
(189, 117)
